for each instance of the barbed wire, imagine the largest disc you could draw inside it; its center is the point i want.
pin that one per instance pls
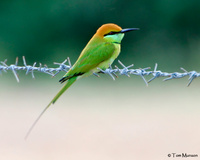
(125, 70)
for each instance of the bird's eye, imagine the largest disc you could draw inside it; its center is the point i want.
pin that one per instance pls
(111, 33)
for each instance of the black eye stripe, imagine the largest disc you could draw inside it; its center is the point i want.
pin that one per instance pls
(111, 33)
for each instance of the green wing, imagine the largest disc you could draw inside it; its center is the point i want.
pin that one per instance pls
(90, 58)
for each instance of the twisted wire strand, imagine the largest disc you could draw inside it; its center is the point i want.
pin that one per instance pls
(113, 73)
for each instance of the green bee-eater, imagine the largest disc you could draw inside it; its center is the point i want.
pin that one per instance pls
(100, 52)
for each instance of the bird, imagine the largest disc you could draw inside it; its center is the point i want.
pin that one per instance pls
(99, 53)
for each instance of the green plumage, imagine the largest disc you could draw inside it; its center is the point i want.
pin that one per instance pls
(100, 52)
(91, 57)
(65, 87)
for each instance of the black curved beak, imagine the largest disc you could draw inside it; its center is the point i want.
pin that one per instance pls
(129, 29)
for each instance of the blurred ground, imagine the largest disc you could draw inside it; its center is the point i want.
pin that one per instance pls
(101, 121)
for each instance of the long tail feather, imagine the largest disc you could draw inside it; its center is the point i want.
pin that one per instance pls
(65, 87)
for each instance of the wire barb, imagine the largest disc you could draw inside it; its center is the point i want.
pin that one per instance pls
(113, 73)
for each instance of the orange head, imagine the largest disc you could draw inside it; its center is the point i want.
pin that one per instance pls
(107, 28)
(112, 33)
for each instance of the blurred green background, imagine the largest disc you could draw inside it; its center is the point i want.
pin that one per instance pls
(47, 31)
